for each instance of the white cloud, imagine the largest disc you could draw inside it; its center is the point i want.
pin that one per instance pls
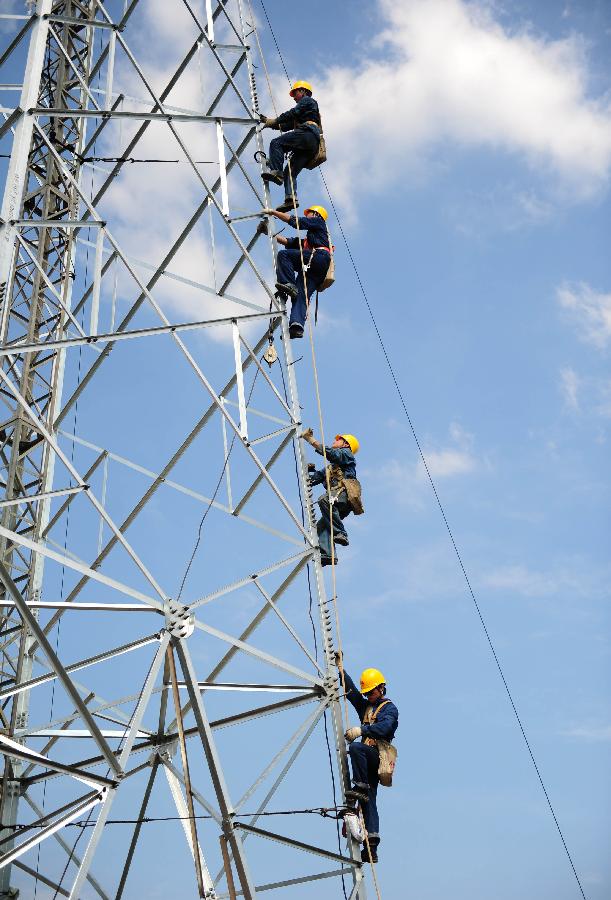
(572, 577)
(409, 480)
(569, 385)
(449, 461)
(148, 206)
(590, 733)
(523, 581)
(590, 310)
(446, 463)
(585, 393)
(444, 71)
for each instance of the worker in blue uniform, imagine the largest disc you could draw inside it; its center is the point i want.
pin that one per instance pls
(379, 719)
(316, 253)
(344, 491)
(301, 129)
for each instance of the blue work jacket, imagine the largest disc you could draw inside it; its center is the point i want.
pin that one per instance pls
(304, 111)
(336, 457)
(342, 458)
(387, 721)
(316, 232)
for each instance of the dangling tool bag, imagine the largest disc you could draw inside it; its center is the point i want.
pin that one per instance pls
(321, 154)
(388, 753)
(388, 761)
(330, 276)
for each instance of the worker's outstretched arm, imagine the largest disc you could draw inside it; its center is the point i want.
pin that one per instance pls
(284, 217)
(354, 696)
(337, 456)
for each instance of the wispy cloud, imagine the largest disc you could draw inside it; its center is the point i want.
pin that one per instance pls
(446, 462)
(569, 386)
(410, 479)
(589, 732)
(590, 310)
(448, 71)
(524, 581)
(570, 577)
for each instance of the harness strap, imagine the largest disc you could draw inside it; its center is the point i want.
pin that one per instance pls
(374, 713)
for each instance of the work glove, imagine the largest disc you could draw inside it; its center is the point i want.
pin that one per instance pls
(353, 733)
(268, 123)
(308, 435)
(339, 659)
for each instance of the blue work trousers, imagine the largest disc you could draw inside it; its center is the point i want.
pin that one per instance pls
(365, 764)
(290, 272)
(341, 508)
(302, 143)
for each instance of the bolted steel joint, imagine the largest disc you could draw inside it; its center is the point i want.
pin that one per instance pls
(179, 620)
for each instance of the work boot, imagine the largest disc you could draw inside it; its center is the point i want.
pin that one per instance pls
(365, 853)
(327, 560)
(289, 204)
(289, 290)
(357, 794)
(341, 538)
(295, 330)
(273, 175)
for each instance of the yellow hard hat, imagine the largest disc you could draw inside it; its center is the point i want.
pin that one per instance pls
(317, 209)
(306, 86)
(350, 439)
(370, 679)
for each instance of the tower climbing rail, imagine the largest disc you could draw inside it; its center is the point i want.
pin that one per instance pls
(136, 307)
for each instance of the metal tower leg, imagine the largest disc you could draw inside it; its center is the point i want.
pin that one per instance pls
(99, 293)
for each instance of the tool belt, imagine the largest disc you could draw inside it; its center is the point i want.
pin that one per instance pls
(321, 154)
(387, 752)
(352, 486)
(329, 278)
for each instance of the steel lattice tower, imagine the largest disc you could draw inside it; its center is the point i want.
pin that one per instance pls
(134, 401)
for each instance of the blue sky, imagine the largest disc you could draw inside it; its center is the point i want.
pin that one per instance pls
(482, 243)
(469, 158)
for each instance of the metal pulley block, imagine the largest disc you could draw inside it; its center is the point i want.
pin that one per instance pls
(270, 356)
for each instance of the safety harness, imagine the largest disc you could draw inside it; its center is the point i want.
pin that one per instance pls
(388, 753)
(329, 278)
(352, 486)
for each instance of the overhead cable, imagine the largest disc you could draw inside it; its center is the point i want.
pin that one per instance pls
(438, 500)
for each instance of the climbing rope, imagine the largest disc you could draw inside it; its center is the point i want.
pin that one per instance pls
(321, 425)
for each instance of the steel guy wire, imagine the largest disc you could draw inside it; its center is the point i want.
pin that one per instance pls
(438, 500)
(325, 811)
